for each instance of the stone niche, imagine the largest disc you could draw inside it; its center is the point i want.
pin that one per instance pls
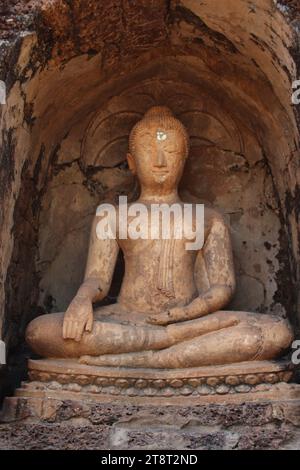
(226, 168)
(75, 87)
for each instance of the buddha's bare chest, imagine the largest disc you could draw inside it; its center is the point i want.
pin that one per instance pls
(150, 252)
(160, 267)
(159, 272)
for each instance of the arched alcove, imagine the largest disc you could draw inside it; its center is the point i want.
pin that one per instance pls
(226, 168)
(224, 69)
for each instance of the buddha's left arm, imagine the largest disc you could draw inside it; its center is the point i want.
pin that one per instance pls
(218, 259)
(217, 255)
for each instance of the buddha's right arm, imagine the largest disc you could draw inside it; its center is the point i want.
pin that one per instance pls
(101, 261)
(99, 270)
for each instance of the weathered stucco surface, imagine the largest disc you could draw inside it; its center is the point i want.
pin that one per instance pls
(71, 424)
(77, 84)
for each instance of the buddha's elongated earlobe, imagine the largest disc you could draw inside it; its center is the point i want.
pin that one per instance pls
(131, 163)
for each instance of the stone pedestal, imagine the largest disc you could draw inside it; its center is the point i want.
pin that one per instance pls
(63, 378)
(71, 406)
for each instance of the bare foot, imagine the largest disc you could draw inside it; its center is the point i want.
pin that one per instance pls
(84, 359)
(105, 360)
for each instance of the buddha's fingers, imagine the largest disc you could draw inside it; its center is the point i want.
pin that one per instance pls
(174, 315)
(161, 319)
(89, 324)
(79, 331)
(67, 328)
(196, 309)
(64, 330)
(73, 329)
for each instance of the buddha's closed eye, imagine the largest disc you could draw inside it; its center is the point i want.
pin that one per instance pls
(173, 151)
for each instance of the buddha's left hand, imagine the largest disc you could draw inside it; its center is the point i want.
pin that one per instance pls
(170, 316)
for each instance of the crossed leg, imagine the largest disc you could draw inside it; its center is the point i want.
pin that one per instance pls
(110, 334)
(245, 341)
(219, 338)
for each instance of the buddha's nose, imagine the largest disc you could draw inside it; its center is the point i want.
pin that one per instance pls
(161, 160)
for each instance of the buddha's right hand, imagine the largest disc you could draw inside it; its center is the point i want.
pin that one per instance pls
(78, 318)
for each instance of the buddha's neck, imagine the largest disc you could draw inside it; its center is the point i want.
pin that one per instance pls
(156, 196)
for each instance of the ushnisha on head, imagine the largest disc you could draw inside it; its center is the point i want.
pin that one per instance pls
(158, 146)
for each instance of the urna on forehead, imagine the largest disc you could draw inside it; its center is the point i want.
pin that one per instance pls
(159, 119)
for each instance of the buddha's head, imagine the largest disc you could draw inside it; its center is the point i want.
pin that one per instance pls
(158, 146)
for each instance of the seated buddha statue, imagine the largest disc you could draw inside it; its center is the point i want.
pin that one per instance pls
(161, 318)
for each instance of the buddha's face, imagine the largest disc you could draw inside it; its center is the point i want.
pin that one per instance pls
(159, 156)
